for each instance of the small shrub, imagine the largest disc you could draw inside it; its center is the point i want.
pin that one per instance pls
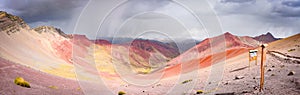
(121, 93)
(272, 74)
(199, 92)
(53, 87)
(21, 82)
(290, 50)
(186, 81)
(144, 70)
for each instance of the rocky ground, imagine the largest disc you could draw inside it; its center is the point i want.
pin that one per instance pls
(281, 77)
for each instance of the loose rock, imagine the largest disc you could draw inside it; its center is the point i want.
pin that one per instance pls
(239, 77)
(272, 74)
(246, 91)
(291, 73)
(269, 70)
(226, 83)
(230, 93)
(255, 87)
(257, 77)
(199, 92)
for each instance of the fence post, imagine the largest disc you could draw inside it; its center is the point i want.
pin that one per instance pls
(262, 68)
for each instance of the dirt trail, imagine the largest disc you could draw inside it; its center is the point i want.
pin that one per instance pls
(246, 81)
(284, 57)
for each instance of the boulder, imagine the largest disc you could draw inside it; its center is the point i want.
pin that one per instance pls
(239, 77)
(291, 73)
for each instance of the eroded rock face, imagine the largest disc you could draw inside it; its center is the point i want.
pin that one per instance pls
(10, 23)
(51, 29)
(52, 40)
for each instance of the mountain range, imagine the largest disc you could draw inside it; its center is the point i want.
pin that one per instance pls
(49, 50)
(48, 41)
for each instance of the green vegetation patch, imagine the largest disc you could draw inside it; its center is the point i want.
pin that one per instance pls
(21, 82)
(121, 93)
(53, 87)
(199, 91)
(290, 50)
(186, 81)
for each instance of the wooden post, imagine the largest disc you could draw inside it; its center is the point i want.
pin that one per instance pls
(262, 68)
(249, 60)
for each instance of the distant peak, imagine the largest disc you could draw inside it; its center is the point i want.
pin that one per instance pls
(8, 18)
(265, 38)
(41, 29)
(227, 34)
(269, 34)
(2, 14)
(11, 17)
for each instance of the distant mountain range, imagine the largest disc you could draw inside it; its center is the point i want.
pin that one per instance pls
(57, 63)
(266, 38)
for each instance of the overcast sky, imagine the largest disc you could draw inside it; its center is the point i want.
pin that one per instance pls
(239, 17)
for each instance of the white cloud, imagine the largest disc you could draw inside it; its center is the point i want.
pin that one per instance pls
(198, 34)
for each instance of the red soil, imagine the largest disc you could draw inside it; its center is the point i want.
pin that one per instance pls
(203, 62)
(63, 49)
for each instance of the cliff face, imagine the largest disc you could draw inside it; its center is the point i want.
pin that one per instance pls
(10, 23)
(19, 40)
(52, 29)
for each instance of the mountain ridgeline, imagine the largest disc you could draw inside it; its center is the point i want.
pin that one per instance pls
(51, 47)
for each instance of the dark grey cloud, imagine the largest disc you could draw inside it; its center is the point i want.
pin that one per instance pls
(237, 1)
(270, 8)
(235, 7)
(286, 8)
(243, 16)
(295, 3)
(134, 7)
(280, 17)
(42, 10)
(132, 10)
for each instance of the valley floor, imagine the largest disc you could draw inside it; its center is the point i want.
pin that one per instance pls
(237, 78)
